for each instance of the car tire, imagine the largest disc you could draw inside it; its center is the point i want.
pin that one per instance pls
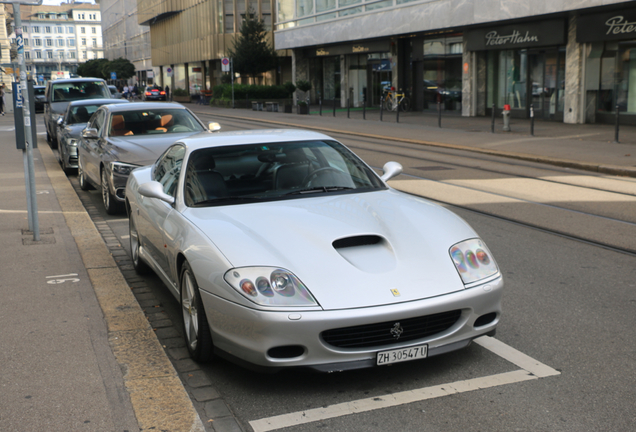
(83, 183)
(52, 141)
(196, 329)
(141, 268)
(111, 204)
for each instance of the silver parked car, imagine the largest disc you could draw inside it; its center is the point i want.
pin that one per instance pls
(122, 137)
(286, 250)
(59, 93)
(70, 126)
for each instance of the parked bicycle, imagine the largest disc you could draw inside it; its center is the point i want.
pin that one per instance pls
(393, 100)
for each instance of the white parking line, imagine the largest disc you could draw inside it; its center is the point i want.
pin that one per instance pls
(531, 370)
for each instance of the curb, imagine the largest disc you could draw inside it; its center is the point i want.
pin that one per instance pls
(616, 170)
(158, 397)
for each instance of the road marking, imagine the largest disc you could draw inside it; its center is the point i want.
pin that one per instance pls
(531, 369)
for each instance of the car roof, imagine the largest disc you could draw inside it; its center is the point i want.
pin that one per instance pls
(100, 101)
(262, 136)
(70, 80)
(133, 106)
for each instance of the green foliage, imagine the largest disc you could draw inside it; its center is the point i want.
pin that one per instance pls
(251, 54)
(123, 67)
(303, 85)
(243, 91)
(290, 88)
(180, 92)
(92, 69)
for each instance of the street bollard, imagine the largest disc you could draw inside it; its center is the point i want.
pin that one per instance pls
(439, 114)
(334, 107)
(492, 124)
(397, 112)
(617, 126)
(364, 109)
(381, 107)
(532, 119)
(506, 118)
(348, 108)
(320, 105)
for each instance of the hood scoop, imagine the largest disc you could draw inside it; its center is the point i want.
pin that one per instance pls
(368, 253)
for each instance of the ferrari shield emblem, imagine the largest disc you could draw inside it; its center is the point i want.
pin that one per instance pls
(395, 292)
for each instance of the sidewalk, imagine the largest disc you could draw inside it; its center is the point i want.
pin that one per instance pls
(77, 352)
(589, 147)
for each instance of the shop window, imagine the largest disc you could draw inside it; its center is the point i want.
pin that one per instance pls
(442, 73)
(618, 78)
(379, 5)
(229, 16)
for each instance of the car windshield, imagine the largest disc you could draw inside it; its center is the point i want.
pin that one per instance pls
(70, 91)
(39, 91)
(154, 121)
(250, 173)
(80, 113)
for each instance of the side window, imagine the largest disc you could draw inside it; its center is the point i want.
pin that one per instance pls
(97, 121)
(169, 167)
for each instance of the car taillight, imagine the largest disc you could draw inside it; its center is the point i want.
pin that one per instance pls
(163, 93)
(148, 93)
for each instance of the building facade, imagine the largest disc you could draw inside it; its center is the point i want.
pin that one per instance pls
(567, 60)
(125, 38)
(58, 38)
(189, 38)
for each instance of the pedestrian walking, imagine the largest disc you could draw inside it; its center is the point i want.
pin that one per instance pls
(167, 93)
(2, 99)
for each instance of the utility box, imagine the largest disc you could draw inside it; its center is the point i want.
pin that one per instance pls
(18, 106)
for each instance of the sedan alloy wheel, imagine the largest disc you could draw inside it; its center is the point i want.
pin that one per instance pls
(111, 204)
(138, 264)
(195, 323)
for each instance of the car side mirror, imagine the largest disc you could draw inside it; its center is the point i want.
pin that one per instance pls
(390, 170)
(90, 133)
(60, 121)
(214, 127)
(154, 189)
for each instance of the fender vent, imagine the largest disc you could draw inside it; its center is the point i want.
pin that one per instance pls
(364, 240)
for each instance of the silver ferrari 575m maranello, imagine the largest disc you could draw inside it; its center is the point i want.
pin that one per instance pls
(286, 250)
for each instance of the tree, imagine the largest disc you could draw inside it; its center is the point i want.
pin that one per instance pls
(251, 54)
(123, 67)
(92, 68)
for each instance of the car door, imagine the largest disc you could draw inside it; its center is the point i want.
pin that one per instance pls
(92, 148)
(153, 219)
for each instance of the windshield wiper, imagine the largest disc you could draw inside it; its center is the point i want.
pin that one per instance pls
(319, 189)
(228, 198)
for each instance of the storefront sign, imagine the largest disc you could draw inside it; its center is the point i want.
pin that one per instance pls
(367, 47)
(605, 27)
(526, 35)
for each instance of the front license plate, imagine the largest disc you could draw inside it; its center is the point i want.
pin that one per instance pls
(402, 355)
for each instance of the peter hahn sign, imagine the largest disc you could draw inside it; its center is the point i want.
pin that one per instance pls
(606, 27)
(525, 35)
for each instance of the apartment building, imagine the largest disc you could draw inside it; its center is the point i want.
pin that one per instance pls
(58, 38)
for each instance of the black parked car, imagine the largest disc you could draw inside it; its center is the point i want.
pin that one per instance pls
(39, 98)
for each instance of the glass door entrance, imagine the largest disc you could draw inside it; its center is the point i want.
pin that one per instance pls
(546, 83)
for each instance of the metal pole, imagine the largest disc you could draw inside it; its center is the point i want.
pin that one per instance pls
(320, 105)
(397, 111)
(439, 114)
(334, 106)
(232, 75)
(348, 108)
(492, 124)
(617, 126)
(30, 182)
(364, 109)
(532, 119)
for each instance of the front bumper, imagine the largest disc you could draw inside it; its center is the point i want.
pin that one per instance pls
(258, 338)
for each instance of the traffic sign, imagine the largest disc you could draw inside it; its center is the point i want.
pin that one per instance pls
(113, 75)
(225, 64)
(169, 71)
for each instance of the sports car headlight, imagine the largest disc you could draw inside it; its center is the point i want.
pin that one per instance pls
(122, 168)
(473, 260)
(270, 286)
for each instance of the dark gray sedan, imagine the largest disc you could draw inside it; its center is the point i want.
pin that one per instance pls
(70, 126)
(122, 137)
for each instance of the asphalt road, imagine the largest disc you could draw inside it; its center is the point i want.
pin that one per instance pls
(562, 240)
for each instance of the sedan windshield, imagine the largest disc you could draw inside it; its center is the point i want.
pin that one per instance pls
(155, 121)
(250, 173)
(81, 113)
